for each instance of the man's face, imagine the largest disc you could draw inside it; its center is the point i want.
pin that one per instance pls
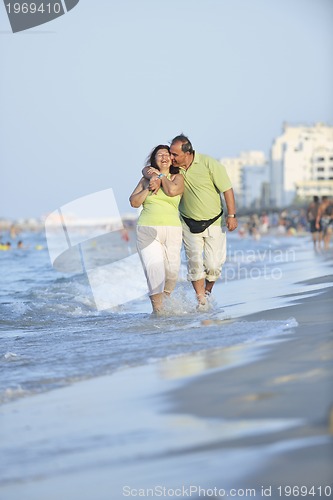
(178, 157)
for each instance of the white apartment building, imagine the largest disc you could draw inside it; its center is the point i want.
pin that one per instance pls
(255, 180)
(237, 169)
(301, 164)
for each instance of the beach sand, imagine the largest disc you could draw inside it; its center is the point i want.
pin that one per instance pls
(294, 380)
(257, 416)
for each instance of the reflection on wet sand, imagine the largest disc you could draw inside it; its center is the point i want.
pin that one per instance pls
(198, 362)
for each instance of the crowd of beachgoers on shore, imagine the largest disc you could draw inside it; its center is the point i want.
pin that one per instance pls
(285, 222)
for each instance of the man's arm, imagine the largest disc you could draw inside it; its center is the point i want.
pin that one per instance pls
(222, 182)
(229, 197)
(150, 174)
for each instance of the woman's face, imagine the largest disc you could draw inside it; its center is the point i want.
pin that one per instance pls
(163, 159)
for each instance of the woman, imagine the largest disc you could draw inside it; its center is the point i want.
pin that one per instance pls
(159, 230)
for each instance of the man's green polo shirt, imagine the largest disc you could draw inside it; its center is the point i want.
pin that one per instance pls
(204, 180)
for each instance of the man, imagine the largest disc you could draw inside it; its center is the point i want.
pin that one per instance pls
(311, 215)
(201, 211)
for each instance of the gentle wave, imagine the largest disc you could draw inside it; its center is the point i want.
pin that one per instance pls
(52, 334)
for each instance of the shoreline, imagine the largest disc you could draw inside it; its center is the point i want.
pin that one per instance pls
(293, 380)
(261, 416)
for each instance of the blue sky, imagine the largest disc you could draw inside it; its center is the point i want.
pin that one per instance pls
(85, 97)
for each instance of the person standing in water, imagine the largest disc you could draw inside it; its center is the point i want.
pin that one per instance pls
(311, 215)
(159, 229)
(324, 220)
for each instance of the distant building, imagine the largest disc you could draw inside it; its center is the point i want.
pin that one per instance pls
(301, 164)
(254, 181)
(247, 172)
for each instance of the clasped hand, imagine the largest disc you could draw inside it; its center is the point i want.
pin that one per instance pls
(154, 183)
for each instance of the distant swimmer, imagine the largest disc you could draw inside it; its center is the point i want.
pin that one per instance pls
(5, 246)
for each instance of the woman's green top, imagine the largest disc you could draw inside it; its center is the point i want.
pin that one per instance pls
(160, 209)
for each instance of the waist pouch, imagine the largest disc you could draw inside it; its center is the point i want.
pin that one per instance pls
(198, 226)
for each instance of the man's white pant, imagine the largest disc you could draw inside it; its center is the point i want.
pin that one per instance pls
(159, 249)
(206, 252)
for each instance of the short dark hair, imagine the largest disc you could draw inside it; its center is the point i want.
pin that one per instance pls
(186, 143)
(151, 160)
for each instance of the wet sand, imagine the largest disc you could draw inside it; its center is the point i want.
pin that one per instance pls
(293, 380)
(261, 424)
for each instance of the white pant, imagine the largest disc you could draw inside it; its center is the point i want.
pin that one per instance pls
(159, 249)
(205, 252)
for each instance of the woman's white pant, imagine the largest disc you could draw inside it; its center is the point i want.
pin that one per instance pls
(159, 250)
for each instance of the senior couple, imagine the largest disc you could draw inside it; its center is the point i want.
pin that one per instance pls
(180, 197)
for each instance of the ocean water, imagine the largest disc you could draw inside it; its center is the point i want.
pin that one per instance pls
(52, 334)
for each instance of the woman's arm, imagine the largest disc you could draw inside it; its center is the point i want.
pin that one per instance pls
(140, 193)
